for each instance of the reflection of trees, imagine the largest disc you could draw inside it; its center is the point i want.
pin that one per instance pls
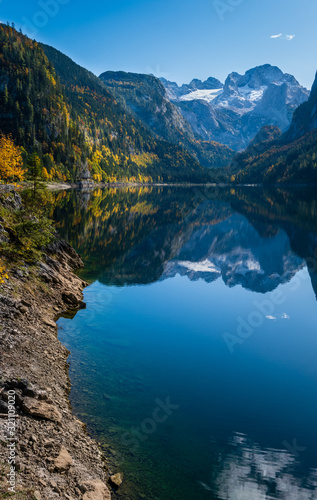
(129, 235)
(137, 229)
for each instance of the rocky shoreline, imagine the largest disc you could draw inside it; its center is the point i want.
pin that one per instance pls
(45, 452)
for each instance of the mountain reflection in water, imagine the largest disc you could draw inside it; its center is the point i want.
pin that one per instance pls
(141, 235)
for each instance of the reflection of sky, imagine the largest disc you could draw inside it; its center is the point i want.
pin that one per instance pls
(170, 333)
(251, 473)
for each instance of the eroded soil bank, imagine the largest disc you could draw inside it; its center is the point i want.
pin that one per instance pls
(47, 454)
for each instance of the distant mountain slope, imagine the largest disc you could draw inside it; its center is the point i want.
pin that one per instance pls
(290, 158)
(146, 97)
(233, 113)
(104, 115)
(63, 112)
(268, 133)
(305, 116)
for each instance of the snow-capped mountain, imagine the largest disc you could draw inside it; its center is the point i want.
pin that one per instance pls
(233, 113)
(175, 92)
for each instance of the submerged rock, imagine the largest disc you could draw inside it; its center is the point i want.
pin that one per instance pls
(116, 480)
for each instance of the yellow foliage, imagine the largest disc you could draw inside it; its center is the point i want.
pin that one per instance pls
(144, 159)
(97, 177)
(3, 274)
(11, 168)
(144, 208)
(45, 174)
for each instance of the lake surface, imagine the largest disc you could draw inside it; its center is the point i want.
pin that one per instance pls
(195, 361)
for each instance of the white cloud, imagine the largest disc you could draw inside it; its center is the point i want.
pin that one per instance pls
(285, 316)
(281, 316)
(283, 37)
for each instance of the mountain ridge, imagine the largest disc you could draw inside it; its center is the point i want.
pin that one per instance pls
(235, 112)
(146, 97)
(289, 158)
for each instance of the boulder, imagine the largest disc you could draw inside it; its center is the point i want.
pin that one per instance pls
(96, 490)
(42, 410)
(72, 301)
(64, 461)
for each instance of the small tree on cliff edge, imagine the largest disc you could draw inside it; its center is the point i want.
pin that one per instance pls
(34, 169)
(11, 162)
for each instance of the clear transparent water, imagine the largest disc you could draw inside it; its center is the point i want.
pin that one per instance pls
(194, 363)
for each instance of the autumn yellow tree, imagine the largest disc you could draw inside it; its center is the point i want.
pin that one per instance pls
(3, 273)
(11, 163)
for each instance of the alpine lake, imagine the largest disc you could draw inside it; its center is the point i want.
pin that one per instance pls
(194, 363)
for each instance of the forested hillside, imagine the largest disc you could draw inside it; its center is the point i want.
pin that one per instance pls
(146, 97)
(54, 108)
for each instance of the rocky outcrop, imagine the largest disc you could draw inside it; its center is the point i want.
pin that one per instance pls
(53, 455)
(10, 198)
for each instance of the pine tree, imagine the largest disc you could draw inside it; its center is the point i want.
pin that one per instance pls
(34, 169)
(6, 95)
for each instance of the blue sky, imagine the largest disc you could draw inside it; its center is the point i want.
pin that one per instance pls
(179, 40)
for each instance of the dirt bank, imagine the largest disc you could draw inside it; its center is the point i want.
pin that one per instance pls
(51, 455)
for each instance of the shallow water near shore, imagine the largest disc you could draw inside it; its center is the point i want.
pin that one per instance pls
(194, 363)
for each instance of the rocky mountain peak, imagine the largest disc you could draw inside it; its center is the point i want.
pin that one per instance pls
(233, 113)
